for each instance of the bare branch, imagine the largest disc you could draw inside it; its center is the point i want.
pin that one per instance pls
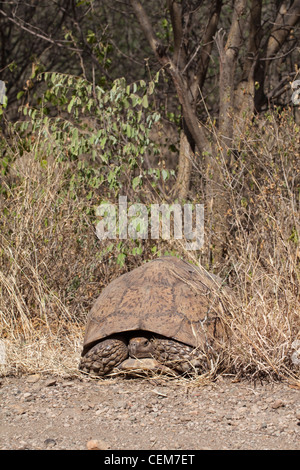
(175, 13)
(285, 21)
(34, 31)
(21, 25)
(146, 26)
(181, 86)
(207, 44)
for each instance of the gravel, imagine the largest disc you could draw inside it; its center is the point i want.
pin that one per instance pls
(38, 412)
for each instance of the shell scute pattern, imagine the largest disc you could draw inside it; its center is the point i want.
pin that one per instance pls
(167, 296)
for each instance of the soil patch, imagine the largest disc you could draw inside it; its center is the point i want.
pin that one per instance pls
(39, 412)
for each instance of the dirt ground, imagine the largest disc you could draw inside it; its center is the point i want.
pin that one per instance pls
(40, 412)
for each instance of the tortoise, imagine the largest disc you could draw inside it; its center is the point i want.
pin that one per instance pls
(167, 309)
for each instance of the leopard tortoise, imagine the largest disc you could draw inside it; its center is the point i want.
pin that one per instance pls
(167, 309)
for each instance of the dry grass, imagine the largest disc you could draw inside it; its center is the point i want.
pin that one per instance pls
(263, 262)
(52, 266)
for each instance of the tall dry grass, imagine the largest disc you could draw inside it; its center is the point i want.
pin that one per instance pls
(263, 257)
(52, 266)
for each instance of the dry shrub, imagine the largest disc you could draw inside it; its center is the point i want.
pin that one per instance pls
(50, 271)
(263, 258)
(52, 266)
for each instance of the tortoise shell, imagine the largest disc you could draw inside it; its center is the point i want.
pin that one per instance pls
(166, 296)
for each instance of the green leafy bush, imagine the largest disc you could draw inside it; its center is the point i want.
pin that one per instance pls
(106, 131)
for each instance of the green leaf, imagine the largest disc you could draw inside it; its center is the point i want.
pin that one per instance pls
(103, 142)
(121, 259)
(136, 181)
(135, 100)
(165, 174)
(145, 103)
(70, 105)
(151, 88)
(128, 130)
(5, 101)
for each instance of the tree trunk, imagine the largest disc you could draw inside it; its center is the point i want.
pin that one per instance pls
(186, 155)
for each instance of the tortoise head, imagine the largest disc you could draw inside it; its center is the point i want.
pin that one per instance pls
(140, 346)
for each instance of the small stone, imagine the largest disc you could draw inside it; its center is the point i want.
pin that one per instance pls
(19, 410)
(33, 378)
(50, 442)
(277, 404)
(97, 444)
(69, 383)
(50, 382)
(84, 407)
(27, 395)
(23, 446)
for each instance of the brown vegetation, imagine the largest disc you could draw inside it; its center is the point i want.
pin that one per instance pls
(219, 75)
(53, 266)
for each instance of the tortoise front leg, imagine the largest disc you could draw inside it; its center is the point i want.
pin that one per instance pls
(104, 356)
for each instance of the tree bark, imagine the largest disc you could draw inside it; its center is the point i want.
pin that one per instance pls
(244, 95)
(184, 171)
(228, 61)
